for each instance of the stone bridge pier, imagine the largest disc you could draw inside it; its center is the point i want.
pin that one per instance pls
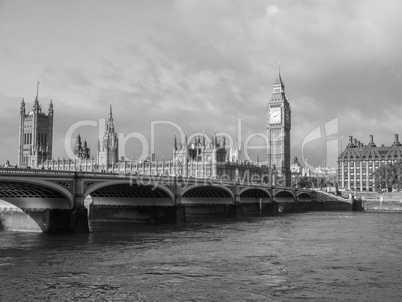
(79, 214)
(36, 200)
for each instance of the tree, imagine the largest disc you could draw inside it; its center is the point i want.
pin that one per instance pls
(388, 176)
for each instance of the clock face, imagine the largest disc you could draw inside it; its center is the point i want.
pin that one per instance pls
(275, 116)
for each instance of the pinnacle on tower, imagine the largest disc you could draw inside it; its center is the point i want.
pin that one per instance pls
(78, 141)
(50, 110)
(37, 91)
(279, 80)
(22, 108)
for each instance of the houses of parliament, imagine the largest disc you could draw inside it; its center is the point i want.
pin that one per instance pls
(199, 158)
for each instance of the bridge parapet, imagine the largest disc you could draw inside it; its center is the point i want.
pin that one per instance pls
(163, 191)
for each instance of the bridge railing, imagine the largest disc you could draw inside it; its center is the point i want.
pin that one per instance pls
(25, 171)
(8, 171)
(136, 177)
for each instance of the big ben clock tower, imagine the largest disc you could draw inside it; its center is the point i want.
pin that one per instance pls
(278, 130)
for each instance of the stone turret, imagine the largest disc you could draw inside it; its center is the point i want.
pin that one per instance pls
(35, 134)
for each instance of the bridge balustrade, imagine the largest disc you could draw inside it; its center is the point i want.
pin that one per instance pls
(180, 191)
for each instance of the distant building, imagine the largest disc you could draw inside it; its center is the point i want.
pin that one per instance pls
(199, 158)
(35, 134)
(81, 149)
(295, 167)
(297, 171)
(195, 159)
(7, 165)
(211, 159)
(358, 162)
(108, 147)
(324, 172)
(278, 131)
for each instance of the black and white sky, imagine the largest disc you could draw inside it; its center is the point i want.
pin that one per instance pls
(204, 65)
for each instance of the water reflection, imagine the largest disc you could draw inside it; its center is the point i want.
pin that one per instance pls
(314, 256)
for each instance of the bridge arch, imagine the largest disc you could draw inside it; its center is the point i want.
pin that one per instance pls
(32, 193)
(253, 195)
(304, 196)
(123, 192)
(284, 196)
(32, 205)
(207, 194)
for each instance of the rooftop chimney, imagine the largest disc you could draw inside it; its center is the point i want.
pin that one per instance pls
(371, 143)
(396, 141)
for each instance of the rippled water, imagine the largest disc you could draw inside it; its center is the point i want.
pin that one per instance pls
(326, 256)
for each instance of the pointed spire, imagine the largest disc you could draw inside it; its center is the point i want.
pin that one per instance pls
(279, 81)
(50, 110)
(37, 90)
(78, 143)
(22, 108)
(109, 123)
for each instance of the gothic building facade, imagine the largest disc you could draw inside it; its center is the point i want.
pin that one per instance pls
(81, 149)
(202, 157)
(108, 146)
(210, 158)
(278, 131)
(35, 134)
(198, 158)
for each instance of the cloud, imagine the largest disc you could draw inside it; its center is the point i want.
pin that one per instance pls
(272, 10)
(204, 64)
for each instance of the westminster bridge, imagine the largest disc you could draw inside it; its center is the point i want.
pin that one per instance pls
(57, 201)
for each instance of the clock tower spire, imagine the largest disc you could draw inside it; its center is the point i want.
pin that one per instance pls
(278, 131)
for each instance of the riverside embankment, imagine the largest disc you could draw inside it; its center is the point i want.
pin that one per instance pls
(390, 202)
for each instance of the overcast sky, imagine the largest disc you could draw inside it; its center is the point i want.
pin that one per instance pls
(203, 65)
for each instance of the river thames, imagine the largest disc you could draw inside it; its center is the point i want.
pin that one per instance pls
(318, 256)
